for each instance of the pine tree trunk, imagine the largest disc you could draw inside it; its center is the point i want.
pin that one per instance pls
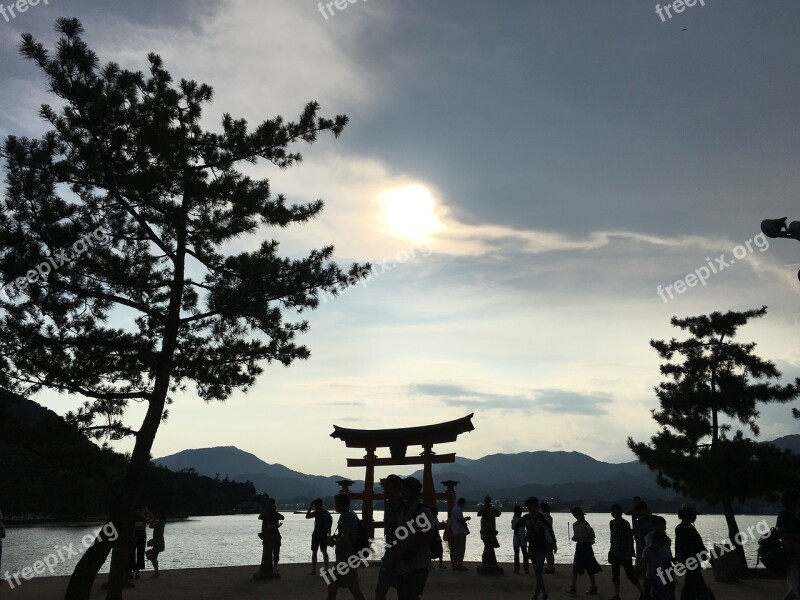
(733, 531)
(126, 503)
(82, 579)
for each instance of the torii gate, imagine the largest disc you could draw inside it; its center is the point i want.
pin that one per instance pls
(398, 440)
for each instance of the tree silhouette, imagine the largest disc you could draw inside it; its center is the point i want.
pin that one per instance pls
(717, 383)
(165, 300)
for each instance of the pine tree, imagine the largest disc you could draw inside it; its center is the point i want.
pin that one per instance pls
(116, 231)
(717, 383)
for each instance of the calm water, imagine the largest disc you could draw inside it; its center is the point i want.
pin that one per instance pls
(233, 541)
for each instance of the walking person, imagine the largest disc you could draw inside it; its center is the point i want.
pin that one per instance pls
(660, 524)
(158, 524)
(544, 507)
(460, 531)
(345, 541)
(689, 544)
(392, 505)
(413, 553)
(539, 543)
(653, 563)
(788, 526)
(584, 561)
(622, 551)
(323, 521)
(519, 539)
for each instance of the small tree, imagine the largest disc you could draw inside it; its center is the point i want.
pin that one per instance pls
(695, 453)
(126, 156)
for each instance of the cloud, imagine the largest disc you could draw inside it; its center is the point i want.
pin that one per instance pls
(548, 399)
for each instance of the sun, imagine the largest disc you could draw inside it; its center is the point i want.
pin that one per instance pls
(410, 212)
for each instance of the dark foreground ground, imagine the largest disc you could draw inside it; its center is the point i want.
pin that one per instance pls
(235, 583)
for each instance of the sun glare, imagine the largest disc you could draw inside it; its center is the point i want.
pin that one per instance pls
(410, 212)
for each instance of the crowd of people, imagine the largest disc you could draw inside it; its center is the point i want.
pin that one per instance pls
(641, 548)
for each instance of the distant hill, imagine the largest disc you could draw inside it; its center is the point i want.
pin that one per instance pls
(278, 481)
(50, 470)
(788, 442)
(564, 476)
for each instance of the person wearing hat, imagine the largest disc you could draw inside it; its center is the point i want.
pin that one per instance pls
(689, 544)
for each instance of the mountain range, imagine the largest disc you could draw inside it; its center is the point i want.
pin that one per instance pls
(565, 476)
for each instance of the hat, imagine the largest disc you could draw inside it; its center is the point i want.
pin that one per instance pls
(691, 507)
(413, 484)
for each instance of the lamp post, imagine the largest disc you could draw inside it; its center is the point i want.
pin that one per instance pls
(777, 228)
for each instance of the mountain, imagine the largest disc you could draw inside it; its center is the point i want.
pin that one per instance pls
(788, 442)
(278, 481)
(563, 476)
(53, 471)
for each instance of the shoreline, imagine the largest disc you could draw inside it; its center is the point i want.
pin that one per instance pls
(296, 583)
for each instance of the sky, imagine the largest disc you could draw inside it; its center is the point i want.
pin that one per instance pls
(523, 174)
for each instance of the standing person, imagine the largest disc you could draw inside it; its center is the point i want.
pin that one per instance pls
(689, 544)
(660, 524)
(635, 526)
(788, 526)
(544, 507)
(622, 551)
(539, 543)
(458, 525)
(392, 505)
(413, 553)
(653, 563)
(519, 539)
(270, 540)
(437, 548)
(584, 561)
(138, 541)
(157, 523)
(323, 521)
(488, 514)
(345, 540)
(644, 526)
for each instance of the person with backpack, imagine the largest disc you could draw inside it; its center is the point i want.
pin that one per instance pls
(413, 548)
(584, 560)
(540, 542)
(323, 521)
(788, 526)
(347, 541)
(622, 551)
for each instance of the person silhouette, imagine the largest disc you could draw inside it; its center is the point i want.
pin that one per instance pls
(270, 539)
(323, 522)
(488, 514)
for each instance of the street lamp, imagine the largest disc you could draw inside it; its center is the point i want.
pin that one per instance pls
(777, 228)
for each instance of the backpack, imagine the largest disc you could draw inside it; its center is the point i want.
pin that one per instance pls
(770, 552)
(436, 547)
(362, 541)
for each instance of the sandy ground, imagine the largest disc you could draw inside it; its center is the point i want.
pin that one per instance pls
(235, 583)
